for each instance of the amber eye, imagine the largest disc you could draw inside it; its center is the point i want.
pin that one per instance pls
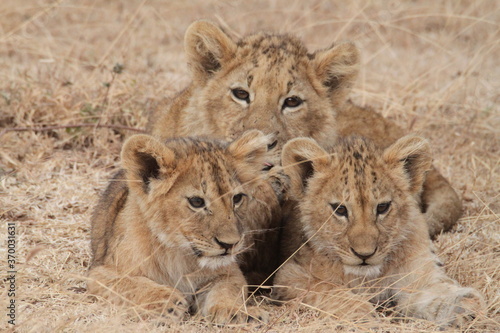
(383, 207)
(237, 198)
(339, 209)
(196, 202)
(292, 102)
(241, 94)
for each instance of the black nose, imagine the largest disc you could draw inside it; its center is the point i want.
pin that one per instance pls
(225, 246)
(363, 256)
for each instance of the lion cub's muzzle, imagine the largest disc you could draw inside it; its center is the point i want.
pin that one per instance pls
(219, 251)
(218, 246)
(364, 256)
(363, 243)
(228, 245)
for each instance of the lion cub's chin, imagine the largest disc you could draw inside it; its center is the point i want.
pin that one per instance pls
(369, 271)
(216, 262)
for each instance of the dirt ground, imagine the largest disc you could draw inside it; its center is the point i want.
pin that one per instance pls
(73, 67)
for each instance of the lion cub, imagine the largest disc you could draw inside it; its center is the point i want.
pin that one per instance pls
(362, 236)
(273, 83)
(174, 244)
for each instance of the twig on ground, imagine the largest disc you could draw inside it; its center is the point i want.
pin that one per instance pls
(49, 128)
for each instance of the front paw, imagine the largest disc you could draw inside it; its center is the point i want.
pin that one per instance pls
(464, 306)
(223, 315)
(166, 302)
(359, 311)
(254, 313)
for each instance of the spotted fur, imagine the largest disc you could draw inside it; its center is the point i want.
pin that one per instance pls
(359, 237)
(271, 69)
(183, 227)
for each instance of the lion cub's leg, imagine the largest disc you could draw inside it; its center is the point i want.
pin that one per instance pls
(441, 203)
(224, 302)
(294, 282)
(137, 291)
(427, 293)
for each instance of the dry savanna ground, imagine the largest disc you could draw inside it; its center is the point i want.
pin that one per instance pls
(431, 66)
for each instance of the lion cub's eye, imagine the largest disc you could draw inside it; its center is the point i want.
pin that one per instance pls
(241, 94)
(196, 202)
(383, 207)
(339, 209)
(272, 145)
(292, 102)
(237, 198)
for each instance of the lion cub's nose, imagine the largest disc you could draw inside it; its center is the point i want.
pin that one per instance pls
(363, 255)
(227, 244)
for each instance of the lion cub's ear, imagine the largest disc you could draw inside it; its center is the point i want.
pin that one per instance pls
(145, 158)
(301, 158)
(207, 48)
(251, 149)
(410, 157)
(337, 68)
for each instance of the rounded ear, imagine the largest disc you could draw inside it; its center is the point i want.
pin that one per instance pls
(410, 156)
(301, 158)
(207, 48)
(337, 68)
(145, 158)
(251, 148)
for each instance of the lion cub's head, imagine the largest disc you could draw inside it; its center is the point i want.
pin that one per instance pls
(358, 202)
(192, 193)
(269, 82)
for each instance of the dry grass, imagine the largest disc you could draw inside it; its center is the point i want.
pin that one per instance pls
(432, 66)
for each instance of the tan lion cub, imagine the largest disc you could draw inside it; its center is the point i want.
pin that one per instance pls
(173, 246)
(360, 227)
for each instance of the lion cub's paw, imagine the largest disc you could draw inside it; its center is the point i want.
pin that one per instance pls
(360, 313)
(466, 305)
(257, 314)
(222, 315)
(354, 309)
(167, 302)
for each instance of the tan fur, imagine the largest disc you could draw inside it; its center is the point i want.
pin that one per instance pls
(161, 253)
(272, 68)
(358, 225)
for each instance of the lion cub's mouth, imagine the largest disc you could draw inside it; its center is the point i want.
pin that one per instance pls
(363, 269)
(215, 254)
(215, 262)
(267, 166)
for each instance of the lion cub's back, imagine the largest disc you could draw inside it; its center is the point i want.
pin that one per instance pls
(105, 215)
